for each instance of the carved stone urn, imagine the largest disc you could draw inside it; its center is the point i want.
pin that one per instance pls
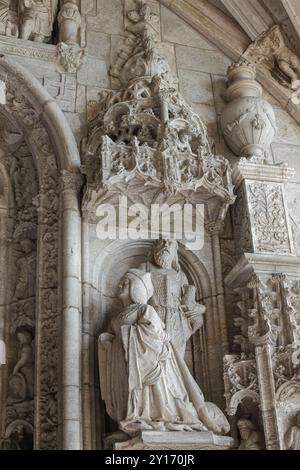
(248, 121)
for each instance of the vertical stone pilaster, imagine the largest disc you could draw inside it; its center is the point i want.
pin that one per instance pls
(71, 314)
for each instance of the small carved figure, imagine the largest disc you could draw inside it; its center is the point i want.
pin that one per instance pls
(292, 437)
(26, 263)
(21, 382)
(36, 19)
(20, 436)
(289, 64)
(145, 383)
(251, 438)
(69, 21)
(144, 22)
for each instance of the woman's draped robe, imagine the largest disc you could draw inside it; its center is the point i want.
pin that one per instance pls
(146, 385)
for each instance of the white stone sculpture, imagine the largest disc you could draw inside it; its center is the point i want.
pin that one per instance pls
(270, 52)
(145, 382)
(69, 50)
(28, 19)
(36, 19)
(69, 21)
(251, 438)
(21, 382)
(248, 122)
(292, 437)
(173, 299)
(147, 132)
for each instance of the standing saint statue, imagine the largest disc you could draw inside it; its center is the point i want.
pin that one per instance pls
(36, 19)
(145, 382)
(173, 298)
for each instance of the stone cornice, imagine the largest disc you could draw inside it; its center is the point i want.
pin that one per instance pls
(20, 47)
(260, 172)
(251, 263)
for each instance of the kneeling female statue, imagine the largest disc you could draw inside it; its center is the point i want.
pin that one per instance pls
(145, 383)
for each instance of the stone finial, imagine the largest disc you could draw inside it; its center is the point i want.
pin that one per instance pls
(248, 121)
(2, 353)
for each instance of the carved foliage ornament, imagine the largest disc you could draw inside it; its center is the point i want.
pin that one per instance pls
(47, 325)
(267, 212)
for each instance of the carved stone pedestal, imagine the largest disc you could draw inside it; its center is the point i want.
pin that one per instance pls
(176, 440)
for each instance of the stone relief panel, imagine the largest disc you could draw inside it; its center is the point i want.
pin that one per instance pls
(269, 223)
(21, 315)
(44, 197)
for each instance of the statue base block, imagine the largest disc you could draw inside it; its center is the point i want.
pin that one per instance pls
(175, 440)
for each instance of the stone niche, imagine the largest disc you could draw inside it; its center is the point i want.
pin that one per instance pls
(145, 144)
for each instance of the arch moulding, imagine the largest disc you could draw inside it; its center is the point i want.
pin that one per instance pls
(57, 410)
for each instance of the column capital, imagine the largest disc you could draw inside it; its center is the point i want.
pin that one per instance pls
(246, 170)
(71, 181)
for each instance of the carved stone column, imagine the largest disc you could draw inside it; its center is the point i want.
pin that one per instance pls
(267, 269)
(71, 315)
(263, 355)
(262, 334)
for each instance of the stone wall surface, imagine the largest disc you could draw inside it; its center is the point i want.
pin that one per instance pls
(201, 71)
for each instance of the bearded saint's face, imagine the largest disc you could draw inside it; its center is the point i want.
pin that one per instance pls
(164, 253)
